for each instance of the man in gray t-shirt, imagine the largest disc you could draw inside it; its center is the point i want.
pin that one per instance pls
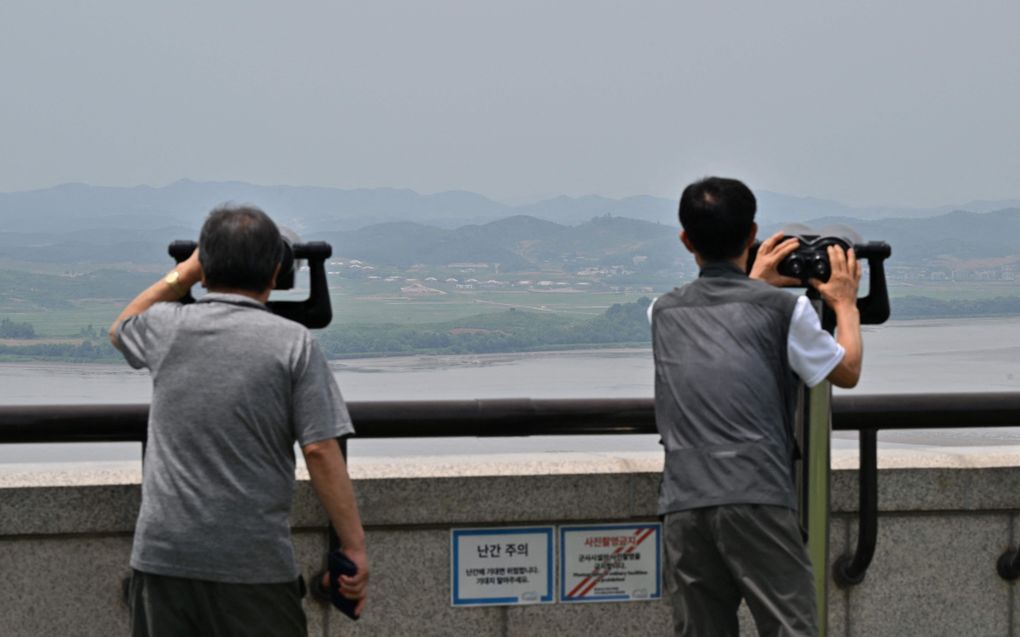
(234, 386)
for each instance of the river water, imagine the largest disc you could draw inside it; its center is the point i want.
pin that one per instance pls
(932, 356)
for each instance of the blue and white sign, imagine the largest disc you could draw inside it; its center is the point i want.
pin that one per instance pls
(500, 567)
(610, 563)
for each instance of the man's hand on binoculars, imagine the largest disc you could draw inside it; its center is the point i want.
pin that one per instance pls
(190, 271)
(840, 291)
(172, 287)
(771, 252)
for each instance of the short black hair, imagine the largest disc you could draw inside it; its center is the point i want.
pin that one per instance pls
(239, 248)
(717, 214)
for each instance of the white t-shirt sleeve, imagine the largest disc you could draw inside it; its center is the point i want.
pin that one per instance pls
(813, 352)
(650, 306)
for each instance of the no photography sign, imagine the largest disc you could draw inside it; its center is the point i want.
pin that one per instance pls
(610, 563)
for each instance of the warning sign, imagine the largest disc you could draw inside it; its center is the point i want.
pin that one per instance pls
(502, 566)
(610, 563)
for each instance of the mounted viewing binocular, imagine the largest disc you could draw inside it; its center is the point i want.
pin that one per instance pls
(315, 311)
(811, 261)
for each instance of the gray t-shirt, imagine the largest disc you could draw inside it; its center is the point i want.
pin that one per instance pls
(233, 387)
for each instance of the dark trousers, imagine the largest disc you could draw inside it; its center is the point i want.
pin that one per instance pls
(717, 556)
(163, 606)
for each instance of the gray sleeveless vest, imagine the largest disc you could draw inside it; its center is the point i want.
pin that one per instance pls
(725, 395)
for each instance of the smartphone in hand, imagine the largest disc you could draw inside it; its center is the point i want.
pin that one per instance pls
(340, 564)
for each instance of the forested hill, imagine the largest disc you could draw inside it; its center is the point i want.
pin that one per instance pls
(81, 224)
(964, 235)
(516, 243)
(523, 242)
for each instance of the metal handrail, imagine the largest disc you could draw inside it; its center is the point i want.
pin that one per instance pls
(521, 417)
(867, 414)
(396, 419)
(853, 412)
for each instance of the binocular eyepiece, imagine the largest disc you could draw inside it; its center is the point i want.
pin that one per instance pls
(811, 258)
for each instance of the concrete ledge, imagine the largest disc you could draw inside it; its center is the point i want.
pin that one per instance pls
(933, 490)
(65, 535)
(437, 490)
(69, 510)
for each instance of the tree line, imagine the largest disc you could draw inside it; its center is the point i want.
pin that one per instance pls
(13, 329)
(508, 331)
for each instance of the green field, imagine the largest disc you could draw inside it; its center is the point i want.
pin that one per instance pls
(48, 302)
(68, 322)
(391, 308)
(383, 306)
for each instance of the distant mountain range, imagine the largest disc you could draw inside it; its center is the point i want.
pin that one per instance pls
(75, 223)
(73, 207)
(523, 242)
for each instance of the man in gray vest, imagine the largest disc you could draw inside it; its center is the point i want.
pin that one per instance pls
(234, 386)
(730, 353)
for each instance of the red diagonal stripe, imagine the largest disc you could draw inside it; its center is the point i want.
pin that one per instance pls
(640, 540)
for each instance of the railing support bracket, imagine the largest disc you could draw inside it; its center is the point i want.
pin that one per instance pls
(849, 570)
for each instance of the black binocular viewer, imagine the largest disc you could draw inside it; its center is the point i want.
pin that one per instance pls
(315, 311)
(811, 261)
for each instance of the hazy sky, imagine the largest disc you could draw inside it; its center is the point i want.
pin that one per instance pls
(908, 102)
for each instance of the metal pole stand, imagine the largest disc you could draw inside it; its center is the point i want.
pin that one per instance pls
(814, 496)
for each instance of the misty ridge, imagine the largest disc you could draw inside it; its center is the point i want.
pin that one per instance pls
(80, 224)
(455, 272)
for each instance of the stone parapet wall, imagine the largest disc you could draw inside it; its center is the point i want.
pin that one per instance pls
(65, 540)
